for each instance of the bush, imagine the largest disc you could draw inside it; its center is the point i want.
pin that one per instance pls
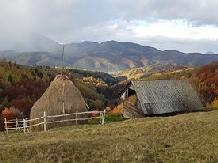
(108, 118)
(114, 118)
(11, 113)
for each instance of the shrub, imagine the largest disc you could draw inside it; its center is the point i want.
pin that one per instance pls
(11, 113)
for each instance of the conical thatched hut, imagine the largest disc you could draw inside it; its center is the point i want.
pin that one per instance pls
(62, 97)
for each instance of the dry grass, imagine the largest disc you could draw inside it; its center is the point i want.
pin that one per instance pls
(183, 138)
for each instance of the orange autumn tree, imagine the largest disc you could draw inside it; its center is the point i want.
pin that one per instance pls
(205, 81)
(11, 113)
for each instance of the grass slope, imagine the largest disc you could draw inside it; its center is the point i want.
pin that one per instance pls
(183, 138)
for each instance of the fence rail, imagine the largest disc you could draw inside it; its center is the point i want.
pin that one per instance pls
(24, 124)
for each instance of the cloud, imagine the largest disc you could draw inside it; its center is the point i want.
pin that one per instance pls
(176, 29)
(184, 45)
(197, 12)
(55, 16)
(112, 30)
(95, 20)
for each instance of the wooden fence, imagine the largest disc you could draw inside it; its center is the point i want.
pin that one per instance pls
(24, 124)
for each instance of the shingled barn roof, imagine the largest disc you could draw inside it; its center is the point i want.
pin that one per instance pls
(166, 96)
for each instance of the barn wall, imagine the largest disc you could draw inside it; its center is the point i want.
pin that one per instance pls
(130, 108)
(130, 111)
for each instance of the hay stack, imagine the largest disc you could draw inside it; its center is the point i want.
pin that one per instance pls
(60, 90)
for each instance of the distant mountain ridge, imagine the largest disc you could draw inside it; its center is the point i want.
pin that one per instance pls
(109, 56)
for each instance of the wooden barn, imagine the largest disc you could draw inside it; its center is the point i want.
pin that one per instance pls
(141, 98)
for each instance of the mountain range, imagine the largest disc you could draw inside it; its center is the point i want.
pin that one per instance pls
(109, 56)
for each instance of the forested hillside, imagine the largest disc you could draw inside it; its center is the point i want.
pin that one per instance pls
(22, 86)
(204, 79)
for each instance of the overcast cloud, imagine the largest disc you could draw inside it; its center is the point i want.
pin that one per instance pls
(183, 25)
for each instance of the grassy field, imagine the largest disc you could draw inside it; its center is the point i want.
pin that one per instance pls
(183, 138)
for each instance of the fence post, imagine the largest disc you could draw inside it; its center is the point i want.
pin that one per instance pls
(17, 124)
(63, 107)
(103, 115)
(76, 117)
(24, 125)
(6, 125)
(44, 117)
(100, 116)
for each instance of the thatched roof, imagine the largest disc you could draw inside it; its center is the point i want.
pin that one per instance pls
(165, 96)
(60, 90)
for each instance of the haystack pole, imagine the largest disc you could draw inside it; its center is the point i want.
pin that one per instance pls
(62, 60)
(63, 84)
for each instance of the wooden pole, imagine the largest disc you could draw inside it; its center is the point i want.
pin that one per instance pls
(44, 117)
(63, 107)
(6, 125)
(17, 124)
(76, 117)
(103, 118)
(24, 125)
(62, 60)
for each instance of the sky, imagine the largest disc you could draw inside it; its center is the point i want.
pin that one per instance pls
(184, 25)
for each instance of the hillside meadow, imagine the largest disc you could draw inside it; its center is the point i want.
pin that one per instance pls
(182, 138)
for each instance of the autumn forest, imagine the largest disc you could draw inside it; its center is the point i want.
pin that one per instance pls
(21, 86)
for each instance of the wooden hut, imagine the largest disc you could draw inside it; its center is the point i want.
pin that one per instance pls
(141, 98)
